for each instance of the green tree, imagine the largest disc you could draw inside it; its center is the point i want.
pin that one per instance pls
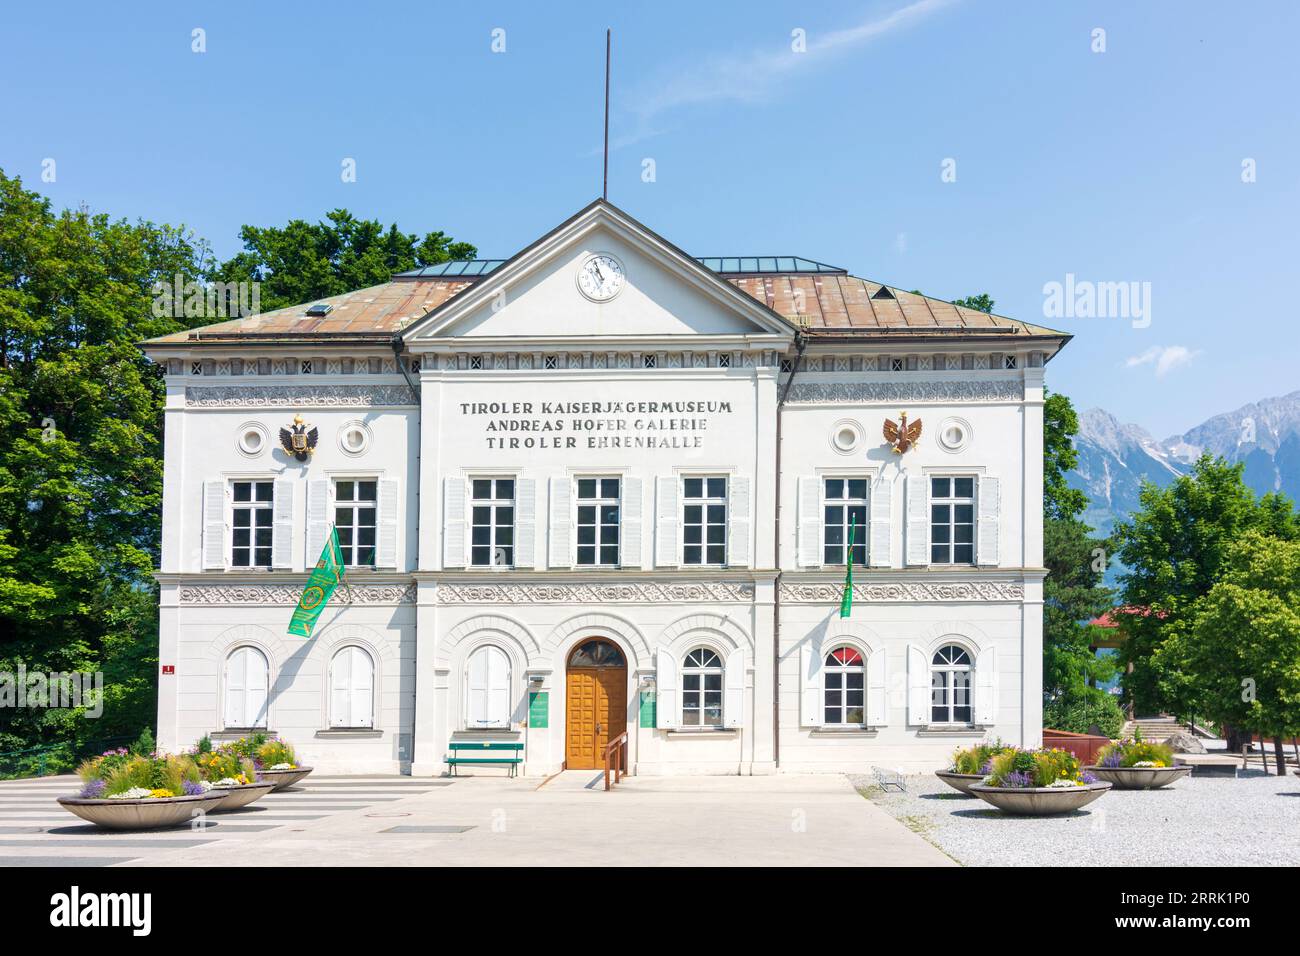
(1175, 548)
(1235, 655)
(80, 475)
(983, 302)
(301, 261)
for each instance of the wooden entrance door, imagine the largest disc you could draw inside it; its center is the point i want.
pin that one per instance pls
(595, 703)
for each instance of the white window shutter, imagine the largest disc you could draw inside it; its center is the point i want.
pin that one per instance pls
(341, 689)
(498, 688)
(882, 510)
(453, 522)
(214, 525)
(666, 522)
(810, 522)
(877, 689)
(476, 686)
(629, 515)
(666, 692)
(282, 525)
(386, 533)
(738, 504)
(318, 518)
(918, 686)
(258, 685)
(989, 530)
(363, 689)
(918, 520)
(810, 682)
(986, 686)
(236, 686)
(560, 531)
(733, 689)
(525, 523)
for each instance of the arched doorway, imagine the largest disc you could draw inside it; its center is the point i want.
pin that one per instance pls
(595, 702)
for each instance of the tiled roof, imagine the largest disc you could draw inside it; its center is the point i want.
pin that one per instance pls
(818, 299)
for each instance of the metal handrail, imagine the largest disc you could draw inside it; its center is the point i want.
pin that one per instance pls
(617, 745)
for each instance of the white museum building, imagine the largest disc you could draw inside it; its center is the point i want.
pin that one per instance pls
(606, 487)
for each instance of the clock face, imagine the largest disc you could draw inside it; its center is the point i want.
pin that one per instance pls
(600, 277)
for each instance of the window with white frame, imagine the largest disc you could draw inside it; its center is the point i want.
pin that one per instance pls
(355, 507)
(952, 520)
(844, 688)
(702, 689)
(352, 688)
(487, 686)
(598, 514)
(246, 688)
(845, 507)
(950, 686)
(251, 523)
(704, 520)
(492, 522)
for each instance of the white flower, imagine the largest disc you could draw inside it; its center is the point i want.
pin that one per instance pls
(135, 793)
(226, 782)
(281, 766)
(1148, 763)
(205, 786)
(1063, 782)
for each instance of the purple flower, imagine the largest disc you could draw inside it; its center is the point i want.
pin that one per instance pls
(1112, 760)
(1088, 777)
(94, 790)
(988, 767)
(1017, 779)
(192, 788)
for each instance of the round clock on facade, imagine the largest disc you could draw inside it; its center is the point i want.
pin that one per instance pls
(600, 277)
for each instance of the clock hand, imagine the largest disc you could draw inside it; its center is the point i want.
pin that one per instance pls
(599, 275)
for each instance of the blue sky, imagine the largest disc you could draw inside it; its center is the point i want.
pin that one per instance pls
(1115, 166)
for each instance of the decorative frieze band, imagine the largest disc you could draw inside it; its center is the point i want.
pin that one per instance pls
(629, 593)
(297, 396)
(825, 393)
(903, 591)
(288, 594)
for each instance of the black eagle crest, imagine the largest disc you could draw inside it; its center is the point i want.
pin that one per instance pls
(298, 440)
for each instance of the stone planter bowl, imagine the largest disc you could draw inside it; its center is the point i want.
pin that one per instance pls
(283, 778)
(149, 813)
(1039, 801)
(1139, 778)
(242, 795)
(959, 781)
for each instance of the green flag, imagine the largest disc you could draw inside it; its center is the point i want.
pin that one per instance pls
(325, 577)
(846, 602)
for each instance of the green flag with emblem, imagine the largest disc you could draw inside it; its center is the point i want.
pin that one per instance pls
(846, 602)
(325, 577)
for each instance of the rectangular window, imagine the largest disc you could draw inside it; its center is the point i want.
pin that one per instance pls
(845, 501)
(250, 542)
(704, 521)
(952, 520)
(354, 517)
(492, 525)
(598, 501)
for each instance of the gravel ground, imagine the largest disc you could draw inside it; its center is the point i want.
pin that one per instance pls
(1251, 821)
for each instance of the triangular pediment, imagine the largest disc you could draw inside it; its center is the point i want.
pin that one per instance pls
(665, 295)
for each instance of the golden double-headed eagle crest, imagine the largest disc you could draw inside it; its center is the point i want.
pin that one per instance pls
(902, 436)
(298, 440)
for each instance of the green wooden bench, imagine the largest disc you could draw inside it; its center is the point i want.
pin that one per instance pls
(457, 747)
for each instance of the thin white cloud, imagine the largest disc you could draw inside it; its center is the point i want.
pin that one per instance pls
(754, 76)
(1165, 358)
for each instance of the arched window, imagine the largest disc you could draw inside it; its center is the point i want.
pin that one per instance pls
(844, 694)
(352, 688)
(488, 688)
(247, 684)
(702, 689)
(597, 654)
(950, 686)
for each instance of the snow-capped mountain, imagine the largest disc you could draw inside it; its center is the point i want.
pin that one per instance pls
(1115, 458)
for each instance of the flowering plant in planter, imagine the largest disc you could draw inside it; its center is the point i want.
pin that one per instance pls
(117, 775)
(221, 768)
(1123, 754)
(976, 760)
(277, 755)
(1015, 769)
